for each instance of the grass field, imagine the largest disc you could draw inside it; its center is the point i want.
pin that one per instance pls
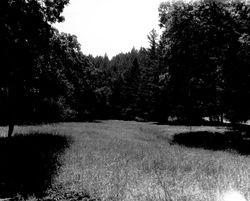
(119, 160)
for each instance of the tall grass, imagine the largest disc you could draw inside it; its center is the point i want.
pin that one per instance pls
(116, 160)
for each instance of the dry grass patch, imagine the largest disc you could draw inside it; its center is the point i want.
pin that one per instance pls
(117, 160)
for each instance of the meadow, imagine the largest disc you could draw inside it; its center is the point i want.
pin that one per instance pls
(127, 160)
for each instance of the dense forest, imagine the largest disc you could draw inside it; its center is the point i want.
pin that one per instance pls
(199, 66)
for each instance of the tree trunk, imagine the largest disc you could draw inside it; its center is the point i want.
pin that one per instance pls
(221, 118)
(11, 107)
(11, 129)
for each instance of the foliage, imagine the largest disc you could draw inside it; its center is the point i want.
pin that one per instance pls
(203, 40)
(197, 67)
(25, 32)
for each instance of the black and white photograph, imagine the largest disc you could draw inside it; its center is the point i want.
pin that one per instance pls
(124, 100)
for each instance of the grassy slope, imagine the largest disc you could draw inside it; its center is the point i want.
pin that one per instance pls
(118, 160)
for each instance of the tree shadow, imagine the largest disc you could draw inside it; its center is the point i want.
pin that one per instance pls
(232, 141)
(30, 162)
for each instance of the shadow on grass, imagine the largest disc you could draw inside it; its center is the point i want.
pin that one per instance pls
(236, 141)
(29, 163)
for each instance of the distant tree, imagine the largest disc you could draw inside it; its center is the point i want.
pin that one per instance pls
(153, 43)
(148, 91)
(25, 32)
(122, 83)
(130, 89)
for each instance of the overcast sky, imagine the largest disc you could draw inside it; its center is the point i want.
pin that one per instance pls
(110, 26)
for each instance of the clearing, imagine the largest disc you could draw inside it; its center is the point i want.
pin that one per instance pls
(127, 160)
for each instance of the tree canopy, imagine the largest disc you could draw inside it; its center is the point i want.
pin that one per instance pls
(198, 67)
(25, 32)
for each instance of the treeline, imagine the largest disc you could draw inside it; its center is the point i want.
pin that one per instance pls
(199, 66)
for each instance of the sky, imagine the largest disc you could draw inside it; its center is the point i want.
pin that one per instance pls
(110, 26)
